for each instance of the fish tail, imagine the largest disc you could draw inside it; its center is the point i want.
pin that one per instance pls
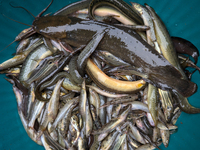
(185, 105)
(185, 87)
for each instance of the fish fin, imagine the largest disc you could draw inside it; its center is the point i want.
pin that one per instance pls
(186, 88)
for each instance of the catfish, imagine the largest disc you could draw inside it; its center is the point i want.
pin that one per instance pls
(122, 42)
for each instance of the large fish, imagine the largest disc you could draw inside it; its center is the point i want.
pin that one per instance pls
(121, 42)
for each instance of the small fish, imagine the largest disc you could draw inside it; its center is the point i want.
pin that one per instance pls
(109, 109)
(89, 122)
(65, 111)
(152, 100)
(113, 123)
(110, 58)
(95, 145)
(13, 71)
(102, 136)
(168, 127)
(124, 145)
(73, 70)
(166, 99)
(31, 99)
(149, 139)
(52, 141)
(87, 51)
(42, 69)
(176, 115)
(94, 100)
(30, 131)
(104, 93)
(125, 99)
(108, 141)
(143, 12)
(81, 145)
(119, 140)
(37, 108)
(95, 118)
(60, 137)
(136, 105)
(136, 133)
(45, 143)
(140, 124)
(133, 142)
(54, 102)
(165, 137)
(23, 45)
(146, 147)
(115, 111)
(103, 114)
(156, 134)
(44, 121)
(74, 123)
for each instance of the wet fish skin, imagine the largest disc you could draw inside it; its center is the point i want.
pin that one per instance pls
(146, 147)
(104, 93)
(65, 112)
(119, 140)
(103, 114)
(140, 124)
(176, 116)
(169, 53)
(152, 100)
(54, 102)
(124, 145)
(143, 12)
(121, 100)
(186, 47)
(156, 134)
(133, 142)
(37, 108)
(109, 109)
(113, 123)
(95, 144)
(136, 134)
(107, 142)
(31, 99)
(76, 126)
(166, 99)
(136, 105)
(95, 100)
(89, 122)
(165, 137)
(82, 105)
(95, 118)
(87, 51)
(115, 111)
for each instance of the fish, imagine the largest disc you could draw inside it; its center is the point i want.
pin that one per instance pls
(109, 127)
(158, 64)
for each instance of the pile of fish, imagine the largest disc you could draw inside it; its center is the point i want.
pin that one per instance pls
(101, 74)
